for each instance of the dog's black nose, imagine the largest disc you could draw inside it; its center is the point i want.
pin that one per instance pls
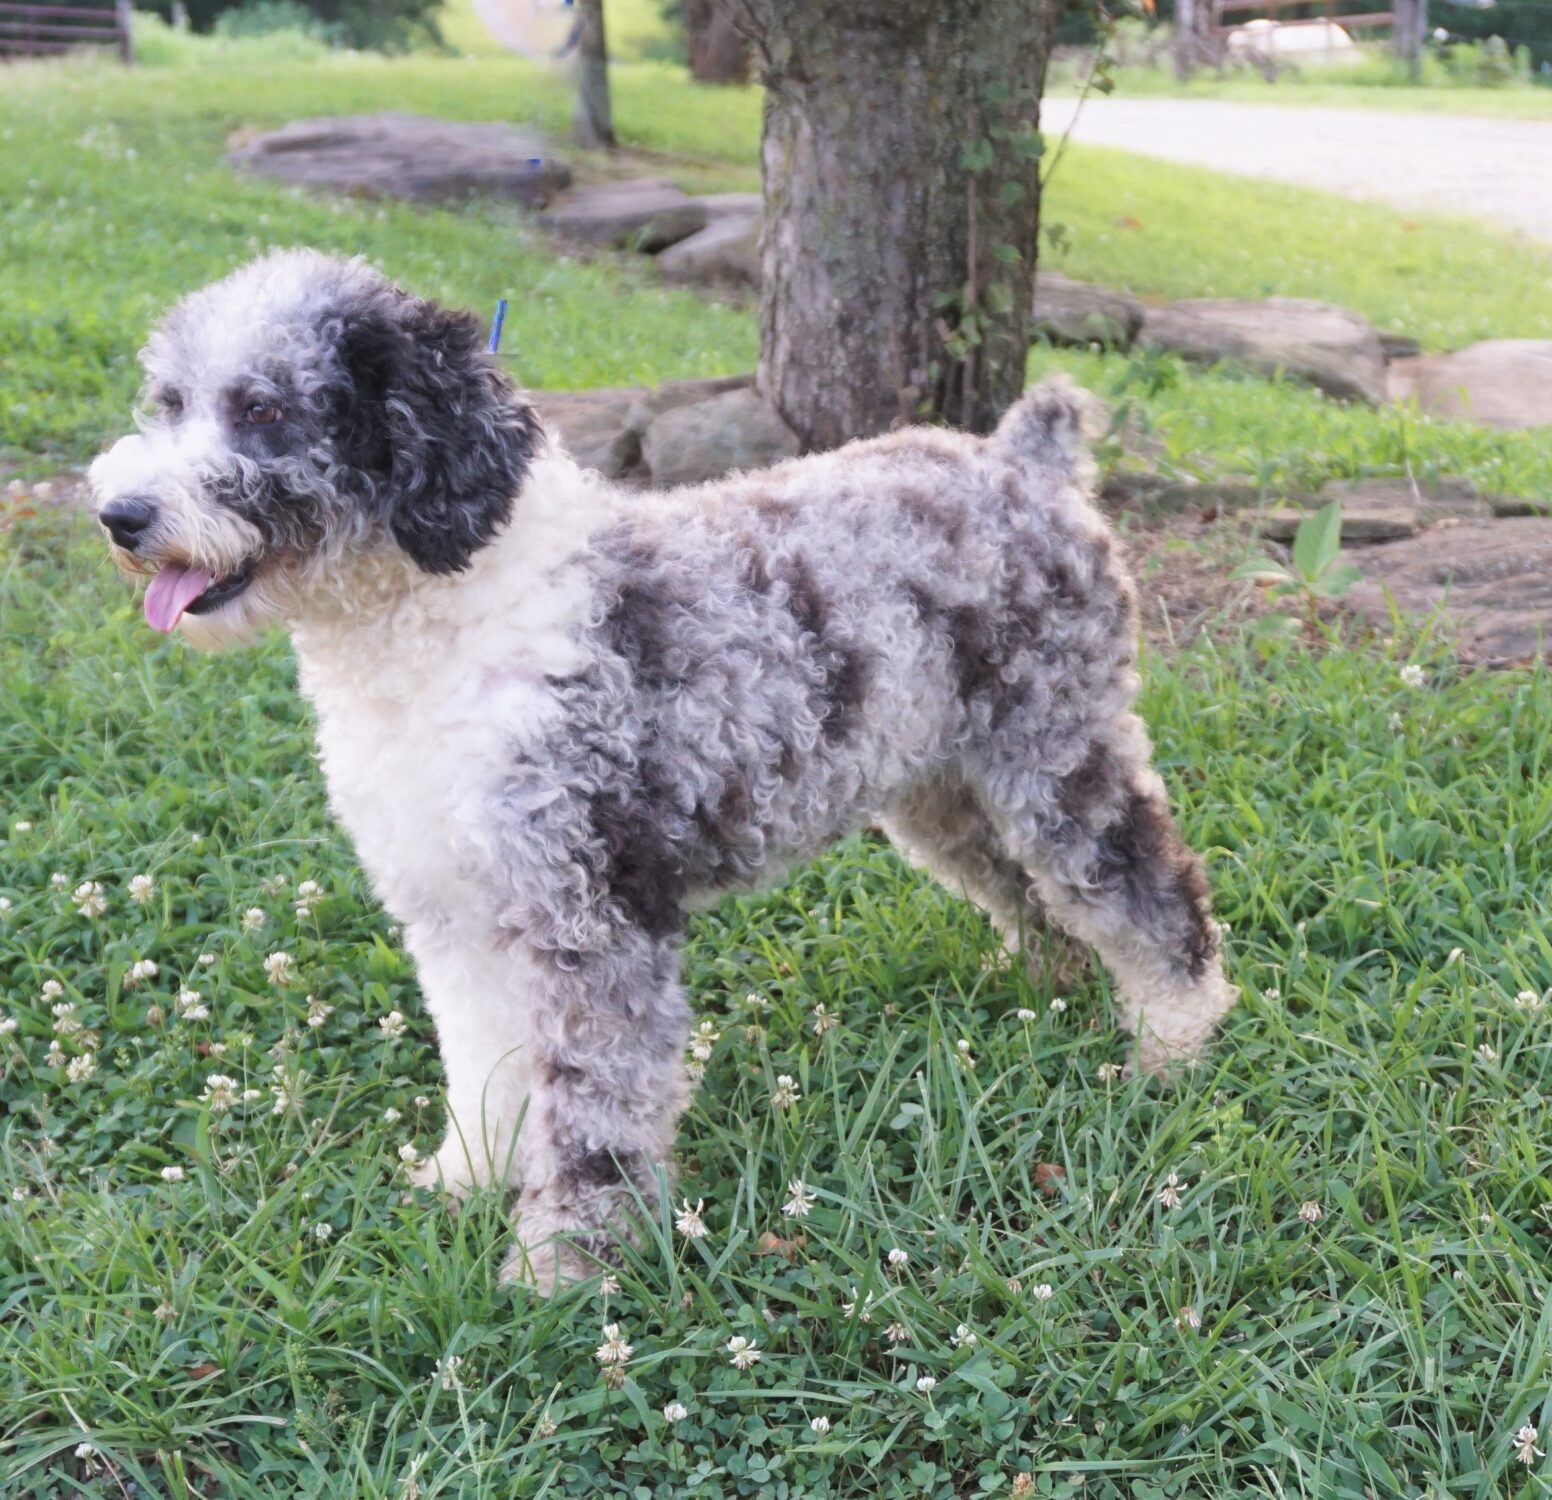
(127, 521)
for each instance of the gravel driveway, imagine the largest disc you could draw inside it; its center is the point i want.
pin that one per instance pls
(1499, 170)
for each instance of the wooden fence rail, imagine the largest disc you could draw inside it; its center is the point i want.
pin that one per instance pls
(42, 30)
(1284, 13)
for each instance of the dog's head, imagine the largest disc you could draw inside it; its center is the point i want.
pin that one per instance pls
(299, 412)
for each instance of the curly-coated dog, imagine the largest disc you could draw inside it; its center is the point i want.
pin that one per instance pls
(556, 714)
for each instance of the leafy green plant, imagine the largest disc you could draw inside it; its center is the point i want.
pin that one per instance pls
(1315, 571)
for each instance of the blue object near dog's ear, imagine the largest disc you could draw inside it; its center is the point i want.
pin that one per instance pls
(495, 327)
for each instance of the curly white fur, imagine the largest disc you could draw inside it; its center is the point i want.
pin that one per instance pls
(555, 715)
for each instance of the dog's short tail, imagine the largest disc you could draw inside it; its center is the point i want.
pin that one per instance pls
(1050, 431)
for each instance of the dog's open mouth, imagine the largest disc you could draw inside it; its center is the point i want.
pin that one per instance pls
(178, 590)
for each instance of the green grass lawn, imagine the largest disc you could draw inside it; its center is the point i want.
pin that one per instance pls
(249, 1302)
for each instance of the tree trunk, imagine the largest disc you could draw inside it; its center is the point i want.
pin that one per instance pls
(719, 51)
(902, 208)
(1186, 57)
(1409, 32)
(594, 124)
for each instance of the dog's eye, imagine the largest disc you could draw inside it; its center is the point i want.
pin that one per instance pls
(170, 403)
(262, 413)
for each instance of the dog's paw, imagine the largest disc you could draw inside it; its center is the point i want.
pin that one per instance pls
(554, 1246)
(448, 1171)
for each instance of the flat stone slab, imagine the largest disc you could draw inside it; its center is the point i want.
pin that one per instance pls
(602, 429)
(1328, 347)
(1491, 579)
(726, 253)
(645, 214)
(731, 205)
(395, 155)
(738, 430)
(1501, 383)
(1383, 509)
(1075, 312)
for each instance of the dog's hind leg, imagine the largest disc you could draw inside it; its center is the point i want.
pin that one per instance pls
(941, 827)
(1111, 867)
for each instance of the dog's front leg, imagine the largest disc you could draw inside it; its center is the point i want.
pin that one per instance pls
(610, 1029)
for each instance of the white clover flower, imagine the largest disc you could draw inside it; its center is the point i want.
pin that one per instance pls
(141, 889)
(447, 1372)
(220, 1093)
(689, 1222)
(172, 1174)
(1528, 1000)
(898, 1258)
(309, 890)
(392, 1025)
(85, 1450)
(1042, 1291)
(89, 899)
(1169, 1194)
(21, 1193)
(59, 880)
(701, 1052)
(52, 989)
(408, 1154)
(55, 1056)
(216, 1049)
(964, 1337)
(286, 1095)
(614, 1350)
(22, 826)
(742, 1353)
(695, 1070)
(1486, 1053)
(897, 1333)
(1025, 1014)
(786, 1094)
(821, 1425)
(860, 1308)
(81, 1068)
(273, 885)
(141, 970)
(253, 919)
(1271, 993)
(65, 1022)
(422, 1101)
(545, 1427)
(391, 1116)
(609, 1285)
(799, 1200)
(1058, 1005)
(8, 1024)
(1525, 1449)
(205, 960)
(925, 1384)
(756, 1001)
(189, 1005)
(1188, 1317)
(323, 1231)
(250, 1095)
(675, 1411)
(1108, 1072)
(1412, 675)
(5, 908)
(1311, 1212)
(824, 1020)
(318, 1011)
(278, 969)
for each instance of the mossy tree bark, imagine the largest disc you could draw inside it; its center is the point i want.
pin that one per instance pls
(594, 122)
(901, 160)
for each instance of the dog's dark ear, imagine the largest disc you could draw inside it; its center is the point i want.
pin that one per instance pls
(438, 424)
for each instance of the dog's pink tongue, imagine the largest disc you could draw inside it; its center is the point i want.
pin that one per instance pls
(171, 592)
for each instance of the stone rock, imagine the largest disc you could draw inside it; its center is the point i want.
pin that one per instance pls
(725, 252)
(602, 429)
(1073, 312)
(736, 430)
(1384, 509)
(1328, 347)
(1157, 494)
(1398, 345)
(1491, 579)
(1502, 383)
(731, 205)
(396, 155)
(647, 214)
